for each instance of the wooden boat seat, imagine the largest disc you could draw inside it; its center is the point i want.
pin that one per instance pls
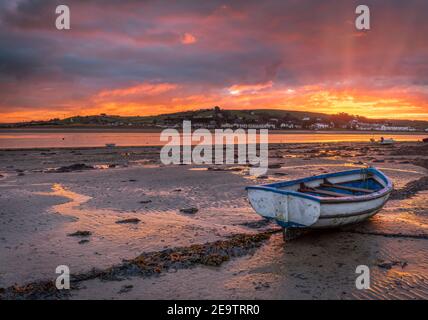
(306, 189)
(337, 186)
(326, 192)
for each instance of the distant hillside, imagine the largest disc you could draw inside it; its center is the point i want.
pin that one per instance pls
(215, 117)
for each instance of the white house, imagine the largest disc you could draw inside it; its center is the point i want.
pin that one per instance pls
(287, 125)
(248, 125)
(261, 126)
(368, 126)
(391, 128)
(320, 125)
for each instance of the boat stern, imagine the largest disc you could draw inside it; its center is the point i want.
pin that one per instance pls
(286, 208)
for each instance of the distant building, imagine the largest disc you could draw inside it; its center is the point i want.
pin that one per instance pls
(290, 125)
(353, 124)
(248, 125)
(391, 128)
(287, 125)
(319, 126)
(261, 126)
(368, 126)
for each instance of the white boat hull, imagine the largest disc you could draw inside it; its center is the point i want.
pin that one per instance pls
(336, 215)
(291, 209)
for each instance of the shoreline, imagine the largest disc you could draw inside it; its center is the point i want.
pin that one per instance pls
(158, 130)
(47, 140)
(271, 146)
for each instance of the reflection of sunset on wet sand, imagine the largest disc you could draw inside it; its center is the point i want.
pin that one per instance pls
(124, 204)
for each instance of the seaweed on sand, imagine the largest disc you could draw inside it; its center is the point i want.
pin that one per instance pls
(31, 291)
(148, 264)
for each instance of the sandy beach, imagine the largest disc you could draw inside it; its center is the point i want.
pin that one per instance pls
(129, 227)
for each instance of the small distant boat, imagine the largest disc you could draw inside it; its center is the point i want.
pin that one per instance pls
(110, 145)
(387, 141)
(323, 201)
(382, 140)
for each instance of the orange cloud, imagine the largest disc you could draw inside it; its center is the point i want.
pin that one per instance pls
(157, 98)
(238, 89)
(188, 38)
(316, 98)
(140, 89)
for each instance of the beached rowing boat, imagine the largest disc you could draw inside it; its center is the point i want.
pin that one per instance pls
(387, 141)
(328, 200)
(383, 141)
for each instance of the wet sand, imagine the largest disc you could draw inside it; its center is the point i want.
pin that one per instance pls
(223, 250)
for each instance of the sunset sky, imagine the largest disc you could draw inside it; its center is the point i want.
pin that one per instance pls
(135, 57)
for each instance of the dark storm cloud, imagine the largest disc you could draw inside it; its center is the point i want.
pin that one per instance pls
(14, 64)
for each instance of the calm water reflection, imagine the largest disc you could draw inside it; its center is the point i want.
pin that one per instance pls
(98, 138)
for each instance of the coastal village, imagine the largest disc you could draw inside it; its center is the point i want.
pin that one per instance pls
(216, 118)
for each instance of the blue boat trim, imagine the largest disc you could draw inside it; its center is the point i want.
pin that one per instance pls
(287, 192)
(274, 187)
(290, 224)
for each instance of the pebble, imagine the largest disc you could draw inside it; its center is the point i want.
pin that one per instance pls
(80, 234)
(192, 210)
(130, 220)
